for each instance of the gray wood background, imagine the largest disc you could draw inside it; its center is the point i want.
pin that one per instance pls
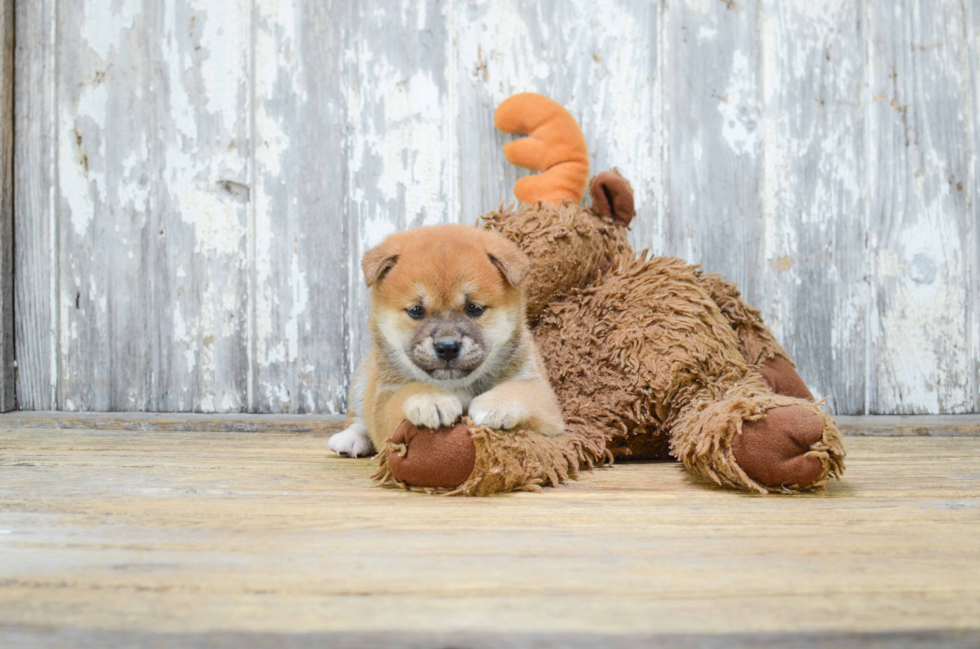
(7, 369)
(196, 180)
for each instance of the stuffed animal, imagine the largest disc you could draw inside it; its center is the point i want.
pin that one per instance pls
(649, 356)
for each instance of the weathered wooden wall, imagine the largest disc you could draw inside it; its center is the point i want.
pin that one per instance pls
(7, 367)
(197, 179)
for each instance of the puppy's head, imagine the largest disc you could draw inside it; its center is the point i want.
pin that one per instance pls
(446, 306)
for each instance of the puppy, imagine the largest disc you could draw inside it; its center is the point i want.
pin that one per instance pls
(449, 338)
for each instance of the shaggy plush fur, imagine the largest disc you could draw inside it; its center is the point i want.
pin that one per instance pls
(650, 358)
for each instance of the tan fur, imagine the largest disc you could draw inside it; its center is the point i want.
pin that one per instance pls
(442, 269)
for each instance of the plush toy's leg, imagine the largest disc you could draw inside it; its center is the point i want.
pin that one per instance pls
(440, 459)
(752, 438)
(782, 378)
(755, 341)
(470, 460)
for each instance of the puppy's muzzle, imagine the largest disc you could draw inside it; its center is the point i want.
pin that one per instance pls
(447, 348)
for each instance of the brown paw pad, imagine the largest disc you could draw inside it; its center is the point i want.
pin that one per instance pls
(772, 450)
(442, 458)
(782, 378)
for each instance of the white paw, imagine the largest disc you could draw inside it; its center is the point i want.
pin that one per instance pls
(353, 442)
(487, 410)
(432, 410)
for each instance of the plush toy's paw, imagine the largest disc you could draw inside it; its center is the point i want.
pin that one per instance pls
(493, 412)
(424, 457)
(774, 450)
(782, 378)
(432, 410)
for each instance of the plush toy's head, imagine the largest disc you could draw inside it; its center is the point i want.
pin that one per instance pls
(569, 246)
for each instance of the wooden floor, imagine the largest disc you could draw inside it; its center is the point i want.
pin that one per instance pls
(243, 534)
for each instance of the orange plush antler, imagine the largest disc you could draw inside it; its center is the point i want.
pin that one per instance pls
(554, 145)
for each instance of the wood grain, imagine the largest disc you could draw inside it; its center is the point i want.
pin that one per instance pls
(921, 229)
(202, 148)
(18, 636)
(714, 109)
(7, 367)
(849, 425)
(105, 532)
(141, 422)
(35, 183)
(973, 213)
(812, 166)
(298, 254)
(103, 213)
(128, 295)
(909, 425)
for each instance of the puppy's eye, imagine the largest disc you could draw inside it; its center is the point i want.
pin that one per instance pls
(416, 312)
(475, 310)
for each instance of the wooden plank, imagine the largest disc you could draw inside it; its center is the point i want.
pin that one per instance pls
(859, 425)
(909, 425)
(141, 422)
(35, 636)
(401, 126)
(184, 533)
(7, 366)
(104, 115)
(920, 173)
(36, 254)
(602, 61)
(813, 211)
(714, 105)
(298, 252)
(973, 216)
(152, 146)
(202, 149)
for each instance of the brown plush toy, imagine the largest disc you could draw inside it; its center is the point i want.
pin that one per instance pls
(649, 357)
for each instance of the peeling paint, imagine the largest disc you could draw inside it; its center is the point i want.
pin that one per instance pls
(104, 22)
(738, 107)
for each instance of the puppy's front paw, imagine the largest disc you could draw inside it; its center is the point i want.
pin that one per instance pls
(432, 410)
(493, 412)
(353, 442)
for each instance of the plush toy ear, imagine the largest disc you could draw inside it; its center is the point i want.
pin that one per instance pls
(612, 196)
(378, 261)
(509, 260)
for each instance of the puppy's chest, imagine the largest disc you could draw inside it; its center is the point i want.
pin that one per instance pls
(464, 396)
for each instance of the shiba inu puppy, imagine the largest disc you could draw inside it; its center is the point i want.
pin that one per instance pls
(449, 338)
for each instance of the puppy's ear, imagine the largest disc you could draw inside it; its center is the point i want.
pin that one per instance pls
(378, 261)
(509, 259)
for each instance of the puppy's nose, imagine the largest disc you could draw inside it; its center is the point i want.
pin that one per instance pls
(447, 349)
